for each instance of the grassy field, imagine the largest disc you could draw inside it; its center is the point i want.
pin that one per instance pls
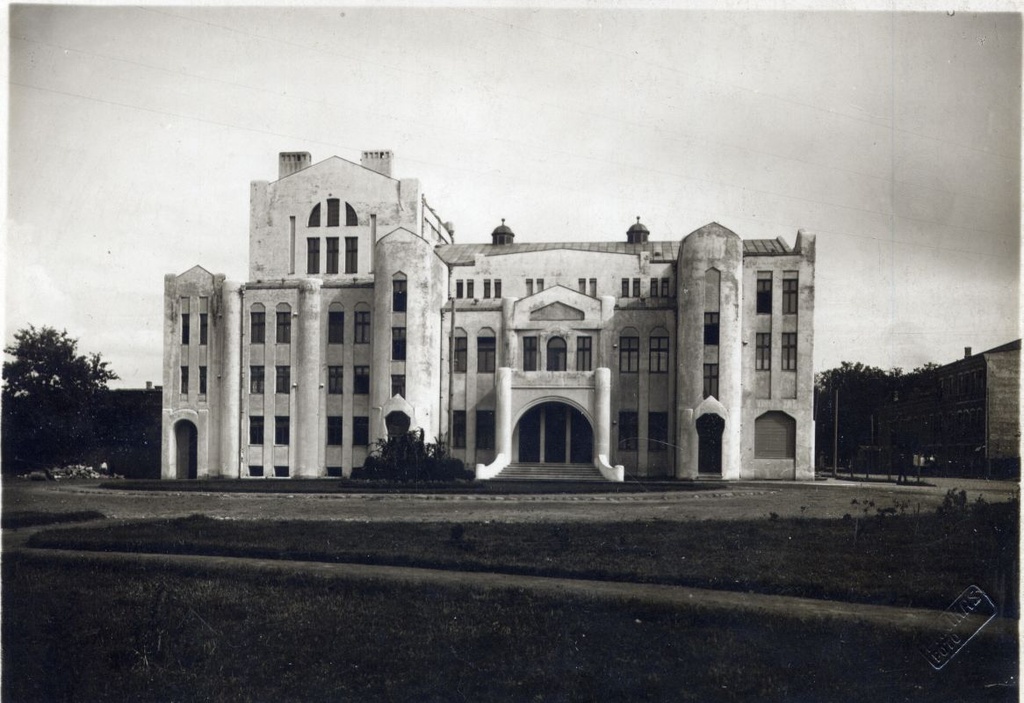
(87, 631)
(32, 518)
(880, 557)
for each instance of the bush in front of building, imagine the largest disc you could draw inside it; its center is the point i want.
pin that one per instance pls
(407, 457)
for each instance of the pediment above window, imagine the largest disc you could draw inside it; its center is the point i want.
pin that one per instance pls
(557, 311)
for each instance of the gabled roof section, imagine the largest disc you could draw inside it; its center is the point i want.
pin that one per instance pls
(321, 165)
(465, 254)
(197, 272)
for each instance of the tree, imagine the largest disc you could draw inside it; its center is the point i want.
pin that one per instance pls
(50, 392)
(862, 390)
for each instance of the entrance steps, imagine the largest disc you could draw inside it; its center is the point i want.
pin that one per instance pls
(549, 472)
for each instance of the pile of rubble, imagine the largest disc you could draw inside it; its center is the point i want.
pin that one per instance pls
(72, 471)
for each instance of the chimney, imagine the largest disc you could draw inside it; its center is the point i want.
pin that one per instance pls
(291, 161)
(967, 352)
(149, 385)
(379, 161)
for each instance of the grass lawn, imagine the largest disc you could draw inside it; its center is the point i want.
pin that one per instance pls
(32, 518)
(82, 630)
(892, 559)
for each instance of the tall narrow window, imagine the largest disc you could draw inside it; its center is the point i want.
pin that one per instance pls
(333, 212)
(593, 287)
(664, 288)
(398, 384)
(184, 380)
(459, 429)
(625, 287)
(581, 285)
(659, 354)
(789, 351)
(351, 220)
(654, 287)
(351, 255)
(763, 360)
(255, 429)
(256, 380)
(398, 295)
(657, 432)
(629, 428)
(711, 328)
(334, 430)
(313, 255)
(335, 326)
(362, 327)
(398, 344)
(202, 380)
(257, 325)
(485, 349)
(629, 354)
(185, 331)
(283, 380)
(469, 289)
(790, 292)
(636, 287)
(284, 324)
(281, 427)
(485, 429)
(584, 353)
(529, 287)
(497, 288)
(540, 284)
(461, 354)
(314, 216)
(332, 255)
(459, 289)
(360, 431)
(361, 380)
(710, 380)
(764, 292)
(335, 379)
(204, 320)
(530, 353)
(487, 288)
(556, 354)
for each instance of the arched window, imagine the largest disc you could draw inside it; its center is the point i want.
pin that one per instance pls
(398, 292)
(314, 216)
(335, 324)
(486, 348)
(284, 323)
(775, 436)
(257, 324)
(350, 216)
(556, 354)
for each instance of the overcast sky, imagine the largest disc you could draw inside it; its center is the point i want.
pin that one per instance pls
(135, 131)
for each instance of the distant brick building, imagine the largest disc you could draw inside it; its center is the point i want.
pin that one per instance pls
(965, 414)
(362, 318)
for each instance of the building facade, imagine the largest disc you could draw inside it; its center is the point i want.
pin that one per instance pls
(361, 317)
(962, 418)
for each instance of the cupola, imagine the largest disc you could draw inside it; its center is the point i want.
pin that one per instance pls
(502, 234)
(637, 233)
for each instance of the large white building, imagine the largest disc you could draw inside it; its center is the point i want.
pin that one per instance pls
(361, 317)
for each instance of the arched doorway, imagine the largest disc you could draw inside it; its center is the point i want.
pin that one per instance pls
(186, 437)
(709, 447)
(555, 433)
(397, 423)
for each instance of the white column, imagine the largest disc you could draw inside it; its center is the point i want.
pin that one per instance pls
(503, 411)
(306, 369)
(602, 412)
(230, 379)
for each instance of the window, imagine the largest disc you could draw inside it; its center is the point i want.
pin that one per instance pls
(529, 286)
(313, 255)
(332, 255)
(657, 432)
(281, 427)
(654, 287)
(398, 299)
(556, 354)
(398, 384)
(584, 354)
(398, 343)
(629, 354)
(487, 288)
(333, 212)
(351, 220)
(710, 380)
(636, 287)
(360, 431)
(283, 380)
(540, 284)
(334, 430)
(351, 255)
(361, 380)
(625, 287)
(775, 436)
(790, 293)
(764, 292)
(628, 429)
(664, 288)
(789, 351)
(764, 351)
(497, 288)
(581, 284)
(659, 354)
(204, 324)
(335, 380)
(458, 289)
(459, 429)
(485, 347)
(184, 328)
(256, 380)
(469, 289)
(314, 216)
(255, 430)
(335, 326)
(593, 287)
(280, 472)
(461, 354)
(529, 353)
(202, 380)
(485, 429)
(362, 327)
(257, 326)
(711, 328)
(284, 325)
(184, 380)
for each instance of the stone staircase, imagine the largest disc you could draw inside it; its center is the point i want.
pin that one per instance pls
(550, 472)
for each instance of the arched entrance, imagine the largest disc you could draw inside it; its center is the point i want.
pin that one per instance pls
(555, 433)
(709, 447)
(186, 438)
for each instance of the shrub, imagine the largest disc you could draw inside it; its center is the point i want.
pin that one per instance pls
(406, 457)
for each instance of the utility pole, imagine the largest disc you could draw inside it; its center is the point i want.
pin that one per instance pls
(835, 435)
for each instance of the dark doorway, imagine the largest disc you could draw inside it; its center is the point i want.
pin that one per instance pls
(397, 423)
(187, 438)
(709, 447)
(555, 433)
